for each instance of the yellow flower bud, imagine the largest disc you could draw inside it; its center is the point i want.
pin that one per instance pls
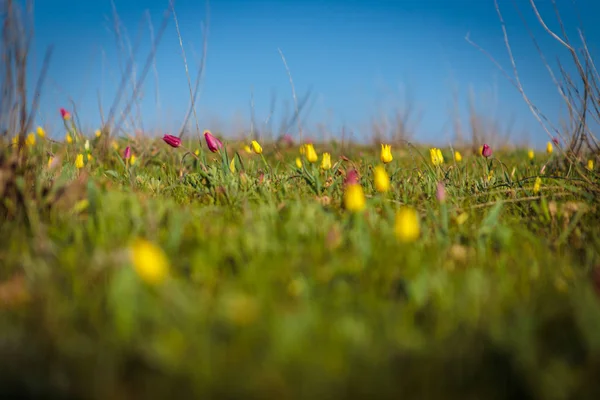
(326, 161)
(386, 153)
(354, 198)
(149, 261)
(79, 161)
(311, 154)
(256, 147)
(407, 226)
(382, 180)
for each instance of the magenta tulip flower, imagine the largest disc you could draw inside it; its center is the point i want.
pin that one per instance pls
(172, 141)
(486, 151)
(127, 153)
(212, 142)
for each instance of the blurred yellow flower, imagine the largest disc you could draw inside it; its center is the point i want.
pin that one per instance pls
(549, 148)
(98, 133)
(132, 159)
(590, 165)
(311, 154)
(298, 162)
(50, 159)
(354, 198)
(68, 138)
(79, 161)
(15, 140)
(232, 166)
(89, 157)
(436, 156)
(256, 147)
(530, 154)
(382, 180)
(197, 152)
(386, 153)
(41, 132)
(149, 261)
(115, 145)
(303, 149)
(30, 141)
(247, 149)
(407, 226)
(537, 185)
(86, 145)
(481, 151)
(457, 156)
(326, 161)
(462, 218)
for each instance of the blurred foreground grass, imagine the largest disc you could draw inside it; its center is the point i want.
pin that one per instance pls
(273, 290)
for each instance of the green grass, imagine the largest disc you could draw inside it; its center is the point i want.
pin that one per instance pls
(277, 292)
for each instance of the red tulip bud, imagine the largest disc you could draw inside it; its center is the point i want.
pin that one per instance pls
(127, 153)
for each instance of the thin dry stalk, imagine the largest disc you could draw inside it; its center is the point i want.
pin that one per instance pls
(199, 75)
(297, 116)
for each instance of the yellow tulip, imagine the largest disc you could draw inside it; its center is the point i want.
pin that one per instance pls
(68, 138)
(149, 261)
(98, 133)
(407, 226)
(436, 156)
(530, 154)
(132, 159)
(311, 154)
(382, 180)
(232, 166)
(89, 157)
(549, 148)
(386, 153)
(537, 185)
(50, 159)
(298, 162)
(590, 165)
(326, 161)
(354, 198)
(41, 132)
(197, 152)
(30, 141)
(457, 156)
(256, 147)
(303, 149)
(115, 145)
(481, 151)
(79, 161)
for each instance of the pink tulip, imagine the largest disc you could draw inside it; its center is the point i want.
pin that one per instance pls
(172, 141)
(127, 153)
(351, 177)
(65, 114)
(440, 193)
(212, 142)
(486, 151)
(555, 140)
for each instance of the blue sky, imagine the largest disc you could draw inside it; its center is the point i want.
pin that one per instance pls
(361, 59)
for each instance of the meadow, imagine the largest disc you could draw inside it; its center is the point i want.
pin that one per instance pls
(139, 267)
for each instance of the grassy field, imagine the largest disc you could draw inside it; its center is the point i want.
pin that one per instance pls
(145, 268)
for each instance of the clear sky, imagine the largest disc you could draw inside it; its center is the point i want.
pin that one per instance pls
(361, 59)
